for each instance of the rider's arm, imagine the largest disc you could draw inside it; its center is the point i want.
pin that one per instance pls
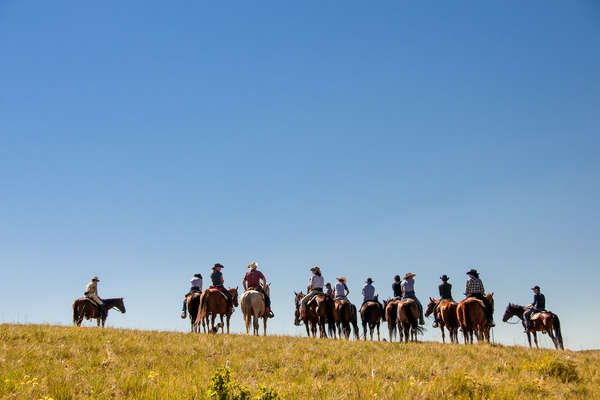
(244, 284)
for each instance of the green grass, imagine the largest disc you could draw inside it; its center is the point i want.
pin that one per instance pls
(42, 362)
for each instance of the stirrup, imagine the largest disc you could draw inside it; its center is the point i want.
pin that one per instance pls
(435, 324)
(183, 315)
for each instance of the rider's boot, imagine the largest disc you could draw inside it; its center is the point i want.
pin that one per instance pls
(183, 314)
(269, 312)
(435, 324)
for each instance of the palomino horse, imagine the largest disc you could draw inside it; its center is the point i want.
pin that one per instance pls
(472, 318)
(252, 304)
(546, 323)
(390, 315)
(446, 315)
(319, 311)
(408, 319)
(371, 314)
(86, 308)
(213, 303)
(343, 315)
(192, 303)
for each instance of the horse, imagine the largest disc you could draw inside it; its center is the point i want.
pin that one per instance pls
(192, 304)
(253, 307)
(371, 314)
(342, 315)
(354, 321)
(446, 316)
(390, 315)
(472, 319)
(547, 322)
(213, 303)
(408, 319)
(319, 311)
(86, 308)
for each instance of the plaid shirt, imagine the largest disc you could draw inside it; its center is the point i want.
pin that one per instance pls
(474, 285)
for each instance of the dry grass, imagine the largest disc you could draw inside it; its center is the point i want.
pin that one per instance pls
(41, 362)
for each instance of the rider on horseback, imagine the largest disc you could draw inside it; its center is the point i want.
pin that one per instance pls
(252, 280)
(315, 287)
(368, 292)
(397, 287)
(475, 289)
(216, 278)
(445, 296)
(195, 287)
(341, 289)
(538, 305)
(91, 292)
(408, 292)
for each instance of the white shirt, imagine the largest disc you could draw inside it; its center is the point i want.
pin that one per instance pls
(316, 282)
(340, 289)
(196, 282)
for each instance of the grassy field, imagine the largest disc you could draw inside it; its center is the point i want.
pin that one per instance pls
(51, 362)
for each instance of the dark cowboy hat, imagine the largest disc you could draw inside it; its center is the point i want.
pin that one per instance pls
(369, 280)
(315, 269)
(473, 272)
(535, 287)
(198, 275)
(95, 279)
(217, 265)
(444, 277)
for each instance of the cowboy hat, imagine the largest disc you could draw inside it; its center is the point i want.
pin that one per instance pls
(473, 271)
(444, 277)
(369, 280)
(95, 279)
(535, 287)
(253, 265)
(341, 279)
(409, 275)
(315, 268)
(198, 275)
(217, 265)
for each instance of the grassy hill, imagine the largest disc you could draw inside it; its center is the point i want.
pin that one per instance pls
(43, 362)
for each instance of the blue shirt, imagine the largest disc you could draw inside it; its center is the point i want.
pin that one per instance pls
(368, 292)
(217, 278)
(408, 285)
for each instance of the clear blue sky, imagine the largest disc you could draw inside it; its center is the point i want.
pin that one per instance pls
(143, 142)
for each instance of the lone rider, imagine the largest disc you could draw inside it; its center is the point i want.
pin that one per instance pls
(91, 292)
(445, 290)
(216, 278)
(195, 287)
(474, 288)
(252, 280)
(397, 287)
(408, 292)
(341, 289)
(315, 288)
(538, 305)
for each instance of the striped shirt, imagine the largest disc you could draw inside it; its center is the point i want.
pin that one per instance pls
(316, 282)
(368, 292)
(474, 286)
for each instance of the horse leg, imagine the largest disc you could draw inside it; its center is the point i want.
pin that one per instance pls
(227, 321)
(378, 337)
(529, 339)
(307, 329)
(535, 339)
(264, 326)
(255, 324)
(551, 335)
(247, 321)
(364, 324)
(443, 333)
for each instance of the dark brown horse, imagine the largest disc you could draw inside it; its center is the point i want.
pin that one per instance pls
(86, 308)
(546, 322)
(472, 319)
(390, 315)
(342, 315)
(319, 312)
(213, 303)
(408, 319)
(192, 304)
(371, 314)
(446, 315)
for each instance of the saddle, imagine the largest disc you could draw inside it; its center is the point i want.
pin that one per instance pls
(257, 290)
(537, 315)
(214, 289)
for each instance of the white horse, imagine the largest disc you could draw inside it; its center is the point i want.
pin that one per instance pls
(253, 305)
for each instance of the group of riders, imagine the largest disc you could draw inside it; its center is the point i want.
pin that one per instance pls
(402, 289)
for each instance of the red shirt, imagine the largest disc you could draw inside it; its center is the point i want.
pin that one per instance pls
(253, 278)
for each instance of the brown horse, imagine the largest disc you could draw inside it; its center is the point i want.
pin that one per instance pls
(408, 319)
(319, 311)
(472, 319)
(192, 303)
(86, 308)
(213, 303)
(342, 315)
(390, 315)
(546, 322)
(371, 314)
(446, 315)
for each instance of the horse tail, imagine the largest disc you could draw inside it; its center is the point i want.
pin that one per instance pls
(557, 332)
(202, 307)
(75, 314)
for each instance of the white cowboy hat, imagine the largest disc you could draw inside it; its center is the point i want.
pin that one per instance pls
(254, 265)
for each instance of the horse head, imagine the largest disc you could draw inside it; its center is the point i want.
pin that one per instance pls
(431, 306)
(511, 311)
(121, 305)
(267, 289)
(234, 295)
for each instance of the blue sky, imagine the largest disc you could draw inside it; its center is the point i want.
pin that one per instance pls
(143, 142)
